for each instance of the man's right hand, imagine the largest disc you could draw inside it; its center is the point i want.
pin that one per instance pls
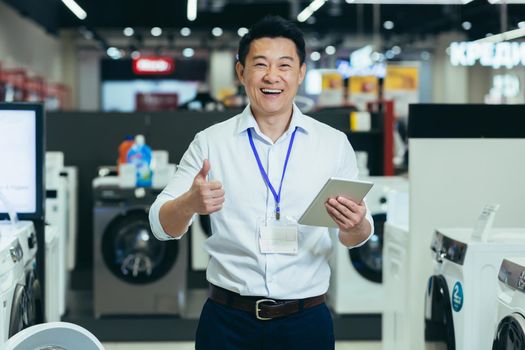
(205, 197)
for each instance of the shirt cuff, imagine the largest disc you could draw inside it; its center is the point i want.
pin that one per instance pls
(154, 219)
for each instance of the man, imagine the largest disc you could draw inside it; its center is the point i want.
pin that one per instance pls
(256, 173)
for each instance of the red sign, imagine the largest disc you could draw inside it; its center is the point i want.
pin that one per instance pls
(156, 101)
(153, 65)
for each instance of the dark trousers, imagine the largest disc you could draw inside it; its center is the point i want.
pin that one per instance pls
(224, 328)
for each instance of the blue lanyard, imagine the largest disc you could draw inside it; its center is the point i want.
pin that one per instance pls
(276, 196)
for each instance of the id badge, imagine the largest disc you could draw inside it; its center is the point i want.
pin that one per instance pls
(278, 236)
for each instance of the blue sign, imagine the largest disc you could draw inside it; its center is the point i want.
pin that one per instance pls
(457, 297)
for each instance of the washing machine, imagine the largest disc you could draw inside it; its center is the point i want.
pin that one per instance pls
(26, 234)
(57, 216)
(510, 325)
(134, 273)
(460, 308)
(356, 281)
(13, 296)
(70, 173)
(52, 289)
(200, 231)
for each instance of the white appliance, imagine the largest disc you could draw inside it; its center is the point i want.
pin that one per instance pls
(200, 231)
(52, 293)
(71, 175)
(510, 325)
(26, 234)
(57, 216)
(356, 281)
(13, 297)
(54, 335)
(460, 311)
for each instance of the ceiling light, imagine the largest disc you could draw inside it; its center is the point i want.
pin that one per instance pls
(315, 56)
(466, 25)
(507, 1)
(330, 50)
(188, 52)
(388, 25)
(416, 2)
(309, 10)
(396, 50)
(389, 54)
(128, 31)
(191, 11)
(75, 8)
(242, 31)
(156, 31)
(217, 32)
(521, 24)
(185, 31)
(114, 53)
(135, 54)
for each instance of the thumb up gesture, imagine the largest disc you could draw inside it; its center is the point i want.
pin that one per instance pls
(206, 197)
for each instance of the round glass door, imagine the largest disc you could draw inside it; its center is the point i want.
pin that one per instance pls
(368, 259)
(510, 334)
(18, 317)
(131, 251)
(439, 324)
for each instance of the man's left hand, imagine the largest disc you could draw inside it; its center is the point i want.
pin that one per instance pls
(350, 217)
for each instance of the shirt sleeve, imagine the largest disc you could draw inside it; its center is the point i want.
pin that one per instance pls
(348, 170)
(189, 166)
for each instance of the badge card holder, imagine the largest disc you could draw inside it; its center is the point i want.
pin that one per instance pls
(278, 236)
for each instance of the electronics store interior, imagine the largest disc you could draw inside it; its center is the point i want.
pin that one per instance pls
(140, 208)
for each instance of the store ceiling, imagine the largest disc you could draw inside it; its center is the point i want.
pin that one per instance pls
(336, 16)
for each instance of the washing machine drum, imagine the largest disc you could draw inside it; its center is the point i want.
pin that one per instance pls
(511, 333)
(131, 251)
(439, 324)
(34, 300)
(18, 317)
(368, 259)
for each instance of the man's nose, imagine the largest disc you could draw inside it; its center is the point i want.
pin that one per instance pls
(272, 75)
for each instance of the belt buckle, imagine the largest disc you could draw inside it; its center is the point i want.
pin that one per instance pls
(257, 308)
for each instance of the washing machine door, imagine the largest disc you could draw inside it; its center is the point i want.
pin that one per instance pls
(131, 251)
(34, 300)
(510, 334)
(439, 324)
(368, 259)
(18, 317)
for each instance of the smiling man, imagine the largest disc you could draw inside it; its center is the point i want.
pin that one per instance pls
(255, 174)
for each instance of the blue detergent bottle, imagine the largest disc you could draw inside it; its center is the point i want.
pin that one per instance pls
(140, 155)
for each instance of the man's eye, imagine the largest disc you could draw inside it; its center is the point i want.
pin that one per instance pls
(260, 65)
(285, 65)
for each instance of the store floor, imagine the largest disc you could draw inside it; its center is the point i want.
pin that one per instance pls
(340, 345)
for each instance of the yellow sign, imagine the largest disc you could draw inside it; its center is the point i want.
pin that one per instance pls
(401, 78)
(363, 85)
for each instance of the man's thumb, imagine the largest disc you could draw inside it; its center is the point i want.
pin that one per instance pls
(205, 169)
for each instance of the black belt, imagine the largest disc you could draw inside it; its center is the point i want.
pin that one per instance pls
(263, 308)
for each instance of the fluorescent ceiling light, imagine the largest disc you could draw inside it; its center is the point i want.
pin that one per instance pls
(505, 36)
(75, 8)
(414, 2)
(192, 10)
(507, 1)
(310, 9)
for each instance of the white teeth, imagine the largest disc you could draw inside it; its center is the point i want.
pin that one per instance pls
(271, 91)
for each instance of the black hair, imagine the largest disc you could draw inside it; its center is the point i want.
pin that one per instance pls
(272, 27)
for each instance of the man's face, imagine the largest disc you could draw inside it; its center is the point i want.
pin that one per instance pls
(271, 75)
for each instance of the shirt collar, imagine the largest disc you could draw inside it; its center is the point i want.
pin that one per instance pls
(247, 121)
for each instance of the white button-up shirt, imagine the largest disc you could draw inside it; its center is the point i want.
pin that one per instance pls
(319, 152)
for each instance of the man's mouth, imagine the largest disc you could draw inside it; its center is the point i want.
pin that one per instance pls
(271, 91)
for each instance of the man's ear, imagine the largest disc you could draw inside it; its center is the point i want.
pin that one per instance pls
(302, 73)
(239, 68)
